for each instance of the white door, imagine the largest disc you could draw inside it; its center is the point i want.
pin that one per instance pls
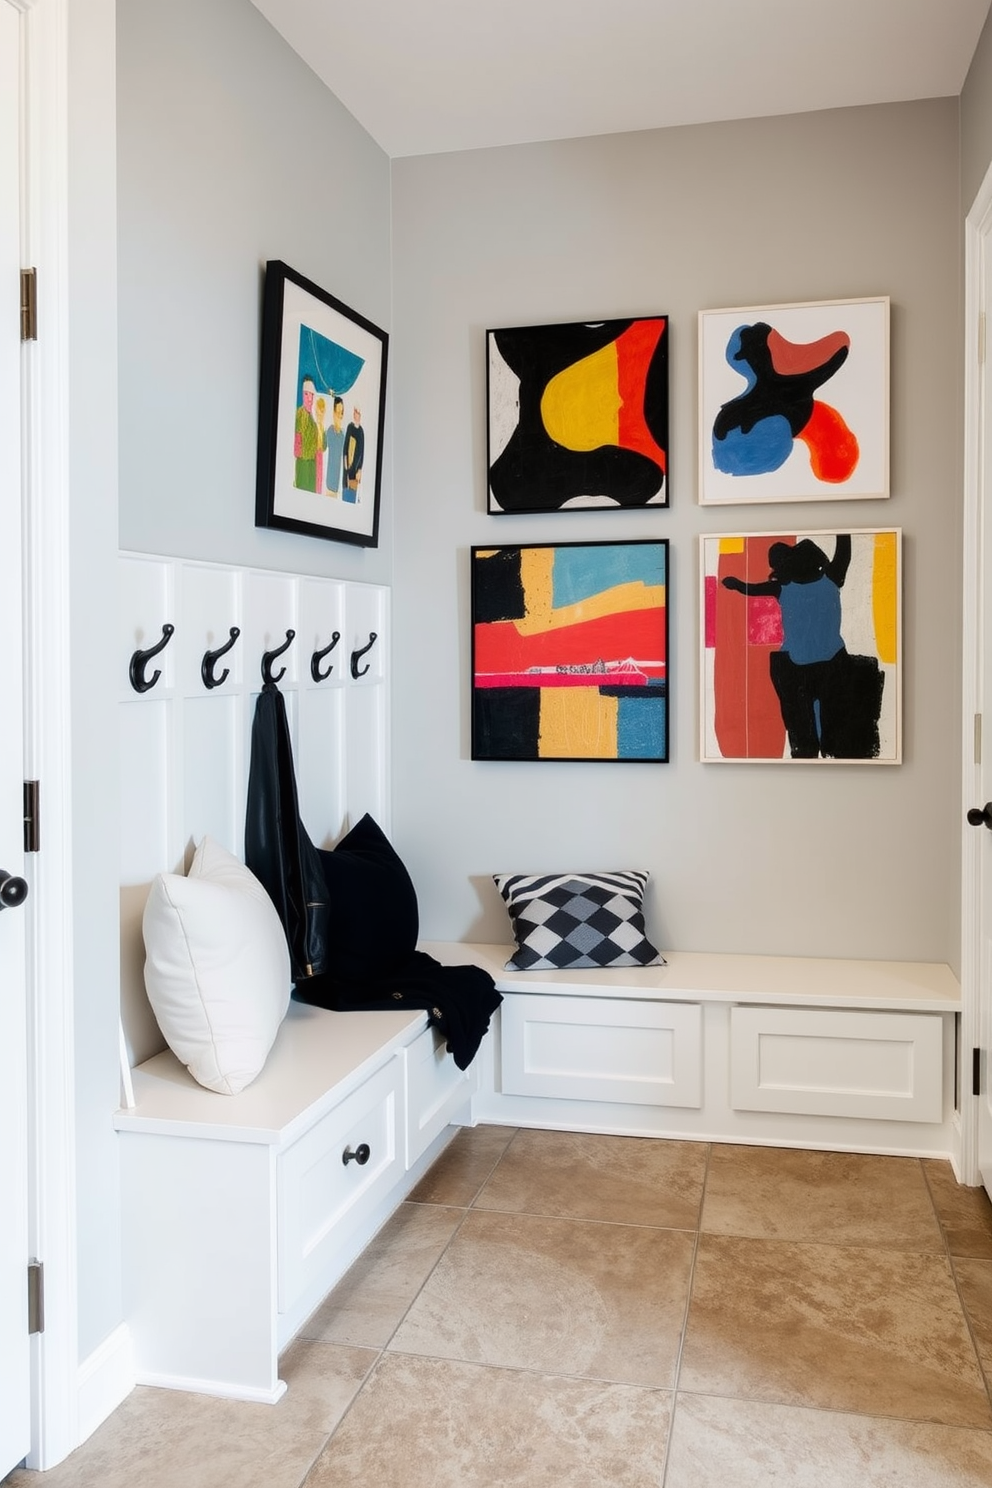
(15, 1424)
(985, 792)
(977, 687)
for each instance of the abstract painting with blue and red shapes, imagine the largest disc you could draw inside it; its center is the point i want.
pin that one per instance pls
(794, 402)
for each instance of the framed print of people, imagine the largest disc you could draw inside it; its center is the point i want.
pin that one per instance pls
(316, 474)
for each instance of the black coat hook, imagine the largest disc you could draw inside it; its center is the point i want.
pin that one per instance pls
(356, 656)
(139, 659)
(211, 657)
(318, 656)
(268, 657)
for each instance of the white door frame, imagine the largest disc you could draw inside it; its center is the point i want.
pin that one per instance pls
(15, 1393)
(52, 1199)
(978, 244)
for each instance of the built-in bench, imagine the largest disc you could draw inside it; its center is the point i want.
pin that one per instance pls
(795, 1051)
(241, 1212)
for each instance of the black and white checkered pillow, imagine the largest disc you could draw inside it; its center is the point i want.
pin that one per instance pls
(577, 920)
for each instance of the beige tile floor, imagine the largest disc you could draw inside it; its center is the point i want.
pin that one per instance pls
(553, 1310)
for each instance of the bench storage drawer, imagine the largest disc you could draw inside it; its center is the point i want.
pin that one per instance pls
(322, 1198)
(837, 1062)
(602, 1049)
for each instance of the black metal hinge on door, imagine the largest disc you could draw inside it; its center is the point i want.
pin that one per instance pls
(976, 1071)
(36, 1297)
(32, 816)
(29, 305)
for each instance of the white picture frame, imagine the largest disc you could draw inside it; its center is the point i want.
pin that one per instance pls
(794, 402)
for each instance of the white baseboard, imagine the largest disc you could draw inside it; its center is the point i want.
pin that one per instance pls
(104, 1380)
(221, 1389)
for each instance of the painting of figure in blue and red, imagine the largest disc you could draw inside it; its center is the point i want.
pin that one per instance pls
(794, 402)
(578, 415)
(801, 649)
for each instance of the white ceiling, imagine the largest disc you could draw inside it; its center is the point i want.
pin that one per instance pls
(434, 75)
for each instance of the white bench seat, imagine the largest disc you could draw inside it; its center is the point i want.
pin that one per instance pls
(800, 981)
(779, 1050)
(241, 1212)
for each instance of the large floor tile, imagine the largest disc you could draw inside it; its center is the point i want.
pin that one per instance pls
(562, 1297)
(162, 1438)
(430, 1423)
(841, 1198)
(975, 1284)
(370, 1300)
(716, 1443)
(965, 1213)
(626, 1180)
(463, 1166)
(841, 1327)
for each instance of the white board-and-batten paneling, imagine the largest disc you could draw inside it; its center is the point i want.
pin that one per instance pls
(185, 747)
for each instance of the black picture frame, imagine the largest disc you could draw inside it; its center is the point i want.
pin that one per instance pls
(311, 439)
(577, 416)
(570, 653)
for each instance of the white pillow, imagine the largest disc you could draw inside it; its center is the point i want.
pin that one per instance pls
(217, 969)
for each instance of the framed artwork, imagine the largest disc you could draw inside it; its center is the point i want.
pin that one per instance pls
(794, 402)
(570, 651)
(801, 647)
(578, 415)
(322, 405)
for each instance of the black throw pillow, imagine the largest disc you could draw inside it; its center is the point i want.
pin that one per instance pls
(373, 917)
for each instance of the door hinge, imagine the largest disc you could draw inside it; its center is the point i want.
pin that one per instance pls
(976, 1071)
(36, 1297)
(29, 304)
(32, 816)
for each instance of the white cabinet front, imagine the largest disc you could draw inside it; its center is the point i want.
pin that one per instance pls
(335, 1175)
(837, 1062)
(436, 1091)
(602, 1049)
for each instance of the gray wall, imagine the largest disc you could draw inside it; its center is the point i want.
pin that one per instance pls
(844, 860)
(212, 109)
(976, 119)
(230, 152)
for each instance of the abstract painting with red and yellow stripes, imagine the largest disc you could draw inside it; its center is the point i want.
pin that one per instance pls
(570, 651)
(801, 648)
(578, 415)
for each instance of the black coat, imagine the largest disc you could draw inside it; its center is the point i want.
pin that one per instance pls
(277, 848)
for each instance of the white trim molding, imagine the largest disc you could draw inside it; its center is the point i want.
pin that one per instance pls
(978, 227)
(104, 1380)
(52, 1198)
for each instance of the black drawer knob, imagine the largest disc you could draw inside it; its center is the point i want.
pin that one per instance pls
(361, 1154)
(13, 891)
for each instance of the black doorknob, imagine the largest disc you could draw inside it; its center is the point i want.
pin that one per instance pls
(981, 816)
(13, 891)
(361, 1154)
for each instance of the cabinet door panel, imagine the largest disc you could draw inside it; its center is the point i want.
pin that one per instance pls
(321, 1196)
(436, 1091)
(837, 1062)
(592, 1048)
